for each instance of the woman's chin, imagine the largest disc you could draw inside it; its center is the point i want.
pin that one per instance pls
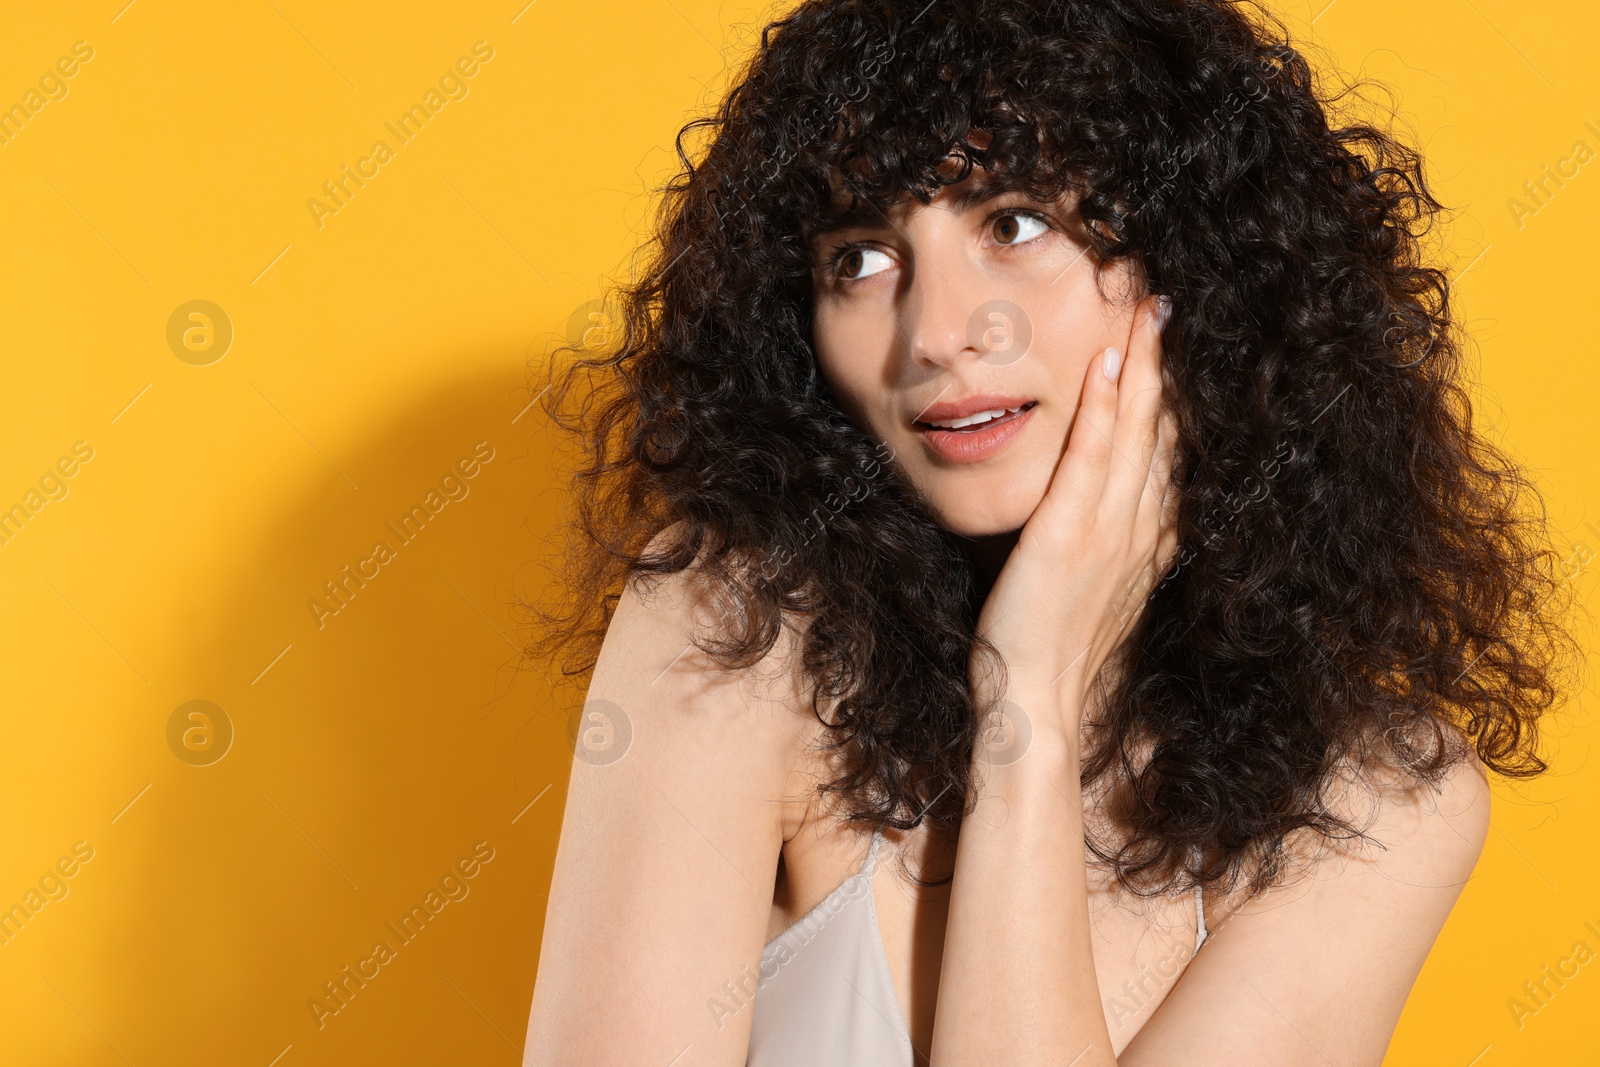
(975, 518)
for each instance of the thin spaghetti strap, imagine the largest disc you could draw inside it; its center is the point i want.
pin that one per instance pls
(871, 862)
(1201, 933)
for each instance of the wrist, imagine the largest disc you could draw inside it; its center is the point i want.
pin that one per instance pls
(1032, 775)
(1036, 726)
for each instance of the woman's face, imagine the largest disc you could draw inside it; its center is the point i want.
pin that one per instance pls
(976, 303)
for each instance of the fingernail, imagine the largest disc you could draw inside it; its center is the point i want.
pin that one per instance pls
(1113, 363)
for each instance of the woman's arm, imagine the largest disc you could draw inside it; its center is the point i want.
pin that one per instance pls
(1315, 972)
(1018, 984)
(664, 875)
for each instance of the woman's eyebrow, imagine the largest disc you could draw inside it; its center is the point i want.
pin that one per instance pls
(860, 214)
(962, 198)
(970, 194)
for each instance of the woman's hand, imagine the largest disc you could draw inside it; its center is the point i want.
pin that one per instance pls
(1027, 990)
(1097, 543)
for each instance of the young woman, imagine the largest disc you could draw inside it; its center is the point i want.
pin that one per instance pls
(1034, 528)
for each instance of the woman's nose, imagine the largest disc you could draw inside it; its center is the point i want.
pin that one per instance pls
(938, 312)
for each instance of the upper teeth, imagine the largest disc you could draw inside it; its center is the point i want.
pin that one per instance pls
(970, 420)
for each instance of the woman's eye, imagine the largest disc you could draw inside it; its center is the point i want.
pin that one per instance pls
(1016, 229)
(858, 263)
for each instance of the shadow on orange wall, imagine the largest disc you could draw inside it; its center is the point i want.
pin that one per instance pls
(360, 876)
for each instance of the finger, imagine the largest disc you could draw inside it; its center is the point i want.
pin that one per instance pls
(1139, 408)
(1167, 461)
(1167, 552)
(1081, 474)
(1157, 541)
(1158, 503)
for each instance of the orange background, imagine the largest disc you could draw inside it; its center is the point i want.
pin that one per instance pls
(373, 352)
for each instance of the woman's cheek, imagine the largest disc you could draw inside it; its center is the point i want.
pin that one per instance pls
(843, 381)
(852, 371)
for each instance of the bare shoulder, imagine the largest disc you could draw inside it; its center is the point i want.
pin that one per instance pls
(674, 821)
(1423, 833)
(1433, 832)
(672, 613)
(652, 656)
(1317, 968)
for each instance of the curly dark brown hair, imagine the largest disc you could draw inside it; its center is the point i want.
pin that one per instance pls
(1363, 574)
